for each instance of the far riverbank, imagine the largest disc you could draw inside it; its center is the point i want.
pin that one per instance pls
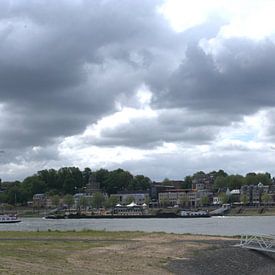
(235, 211)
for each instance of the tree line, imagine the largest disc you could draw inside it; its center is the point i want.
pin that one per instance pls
(221, 180)
(70, 180)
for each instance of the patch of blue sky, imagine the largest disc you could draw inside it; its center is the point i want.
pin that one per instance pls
(245, 137)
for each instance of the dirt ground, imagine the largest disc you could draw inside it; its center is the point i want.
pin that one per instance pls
(143, 255)
(155, 253)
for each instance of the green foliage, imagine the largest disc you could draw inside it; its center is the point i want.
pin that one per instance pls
(165, 180)
(265, 198)
(130, 199)
(69, 200)
(204, 200)
(198, 174)
(223, 198)
(220, 182)
(187, 183)
(98, 200)
(117, 180)
(68, 180)
(253, 178)
(86, 175)
(164, 202)
(235, 181)
(244, 199)
(183, 201)
(55, 200)
(84, 202)
(111, 202)
(34, 185)
(139, 182)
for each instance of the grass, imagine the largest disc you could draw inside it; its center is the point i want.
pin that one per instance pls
(50, 252)
(92, 252)
(92, 234)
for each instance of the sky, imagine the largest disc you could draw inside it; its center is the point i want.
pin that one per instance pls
(163, 88)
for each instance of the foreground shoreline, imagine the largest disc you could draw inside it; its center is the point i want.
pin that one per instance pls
(103, 252)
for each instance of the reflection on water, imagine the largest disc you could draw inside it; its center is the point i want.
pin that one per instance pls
(211, 226)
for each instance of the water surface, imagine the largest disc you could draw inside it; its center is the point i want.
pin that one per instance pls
(211, 226)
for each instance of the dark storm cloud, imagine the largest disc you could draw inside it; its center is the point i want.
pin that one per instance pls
(238, 80)
(207, 91)
(62, 66)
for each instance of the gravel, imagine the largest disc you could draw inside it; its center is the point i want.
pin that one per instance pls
(223, 258)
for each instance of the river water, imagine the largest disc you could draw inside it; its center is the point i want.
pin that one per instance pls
(211, 226)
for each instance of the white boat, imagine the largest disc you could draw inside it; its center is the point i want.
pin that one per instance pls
(194, 214)
(9, 219)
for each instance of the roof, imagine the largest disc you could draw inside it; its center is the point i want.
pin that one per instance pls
(132, 204)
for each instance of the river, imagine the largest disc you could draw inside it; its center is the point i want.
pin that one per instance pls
(228, 225)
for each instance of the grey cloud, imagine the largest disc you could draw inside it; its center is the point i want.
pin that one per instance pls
(177, 165)
(173, 125)
(63, 66)
(238, 81)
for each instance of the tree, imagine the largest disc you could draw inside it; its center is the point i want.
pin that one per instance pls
(199, 174)
(183, 201)
(223, 198)
(221, 173)
(164, 202)
(86, 175)
(204, 200)
(220, 182)
(101, 176)
(68, 179)
(117, 180)
(147, 200)
(187, 182)
(129, 199)
(83, 202)
(251, 179)
(33, 185)
(264, 178)
(111, 202)
(69, 200)
(235, 181)
(49, 177)
(55, 200)
(265, 198)
(97, 200)
(139, 182)
(244, 199)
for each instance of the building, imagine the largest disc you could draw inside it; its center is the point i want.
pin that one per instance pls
(39, 200)
(254, 192)
(182, 197)
(203, 181)
(92, 186)
(235, 195)
(157, 187)
(79, 199)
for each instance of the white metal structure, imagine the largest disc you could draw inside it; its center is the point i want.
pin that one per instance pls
(262, 243)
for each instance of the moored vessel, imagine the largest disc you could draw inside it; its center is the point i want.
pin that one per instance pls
(4, 218)
(194, 214)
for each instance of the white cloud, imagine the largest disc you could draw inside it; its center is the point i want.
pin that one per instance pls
(245, 18)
